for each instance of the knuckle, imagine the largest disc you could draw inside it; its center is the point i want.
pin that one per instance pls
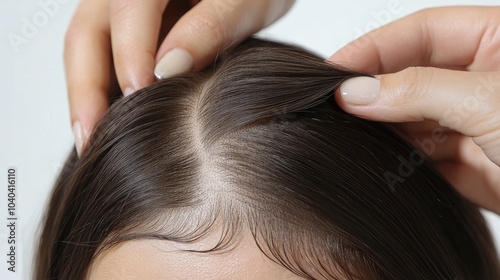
(208, 30)
(416, 81)
(121, 7)
(424, 12)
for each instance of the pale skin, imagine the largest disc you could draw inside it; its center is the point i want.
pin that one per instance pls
(159, 259)
(464, 102)
(455, 49)
(465, 39)
(123, 38)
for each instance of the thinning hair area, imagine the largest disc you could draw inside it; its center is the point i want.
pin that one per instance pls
(257, 143)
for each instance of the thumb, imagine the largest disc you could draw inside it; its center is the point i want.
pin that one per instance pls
(210, 27)
(468, 102)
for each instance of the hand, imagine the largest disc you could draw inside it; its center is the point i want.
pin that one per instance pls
(452, 115)
(108, 37)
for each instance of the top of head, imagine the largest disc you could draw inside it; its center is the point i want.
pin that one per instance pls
(257, 142)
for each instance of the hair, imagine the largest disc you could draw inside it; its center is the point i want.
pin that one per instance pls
(257, 141)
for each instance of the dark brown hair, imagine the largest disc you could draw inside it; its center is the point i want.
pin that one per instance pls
(257, 140)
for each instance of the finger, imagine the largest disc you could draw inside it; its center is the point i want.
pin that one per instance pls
(475, 183)
(425, 38)
(87, 62)
(426, 126)
(135, 26)
(468, 102)
(438, 146)
(473, 175)
(435, 141)
(210, 27)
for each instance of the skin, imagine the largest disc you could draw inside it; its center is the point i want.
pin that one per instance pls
(465, 39)
(463, 42)
(417, 98)
(158, 259)
(113, 42)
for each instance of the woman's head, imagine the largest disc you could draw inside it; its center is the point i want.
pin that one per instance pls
(250, 167)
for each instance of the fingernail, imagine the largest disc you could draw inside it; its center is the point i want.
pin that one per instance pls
(174, 62)
(128, 91)
(360, 90)
(78, 135)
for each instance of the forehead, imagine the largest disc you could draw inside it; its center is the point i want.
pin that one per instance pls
(159, 259)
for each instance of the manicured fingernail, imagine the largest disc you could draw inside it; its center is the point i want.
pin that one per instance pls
(174, 62)
(360, 90)
(78, 135)
(128, 91)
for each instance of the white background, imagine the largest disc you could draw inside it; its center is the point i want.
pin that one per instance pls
(35, 134)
